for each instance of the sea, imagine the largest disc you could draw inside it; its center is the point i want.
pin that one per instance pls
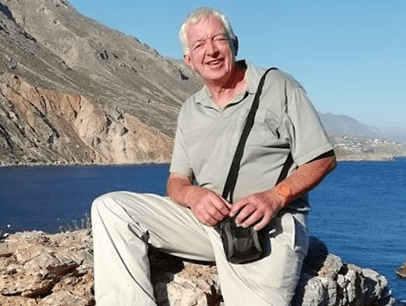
(358, 210)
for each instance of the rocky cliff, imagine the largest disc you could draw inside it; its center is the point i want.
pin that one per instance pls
(46, 126)
(57, 270)
(75, 91)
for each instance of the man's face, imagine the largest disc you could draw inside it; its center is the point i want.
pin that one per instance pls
(209, 50)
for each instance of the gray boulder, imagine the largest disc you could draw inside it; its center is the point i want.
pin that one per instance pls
(401, 270)
(42, 269)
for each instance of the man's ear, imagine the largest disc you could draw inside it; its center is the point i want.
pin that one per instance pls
(235, 46)
(188, 61)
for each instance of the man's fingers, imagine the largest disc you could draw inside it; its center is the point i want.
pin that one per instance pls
(209, 220)
(235, 209)
(245, 213)
(218, 207)
(264, 222)
(252, 211)
(215, 213)
(211, 209)
(222, 205)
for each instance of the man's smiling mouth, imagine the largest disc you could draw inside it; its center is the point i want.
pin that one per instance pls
(215, 62)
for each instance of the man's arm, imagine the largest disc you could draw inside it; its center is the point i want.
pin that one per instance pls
(262, 207)
(208, 207)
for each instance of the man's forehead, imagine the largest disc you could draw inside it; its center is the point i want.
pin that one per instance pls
(200, 25)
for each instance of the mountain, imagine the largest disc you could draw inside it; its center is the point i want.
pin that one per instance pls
(395, 133)
(354, 140)
(344, 125)
(75, 91)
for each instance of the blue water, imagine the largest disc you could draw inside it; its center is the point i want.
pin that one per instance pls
(358, 210)
(45, 198)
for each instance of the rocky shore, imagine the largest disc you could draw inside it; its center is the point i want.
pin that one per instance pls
(362, 148)
(401, 270)
(43, 269)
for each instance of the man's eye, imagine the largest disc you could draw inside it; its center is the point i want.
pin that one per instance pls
(198, 46)
(220, 38)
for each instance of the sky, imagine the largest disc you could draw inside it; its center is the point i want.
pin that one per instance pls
(350, 55)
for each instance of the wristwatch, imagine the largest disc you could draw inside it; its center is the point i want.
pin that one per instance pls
(284, 190)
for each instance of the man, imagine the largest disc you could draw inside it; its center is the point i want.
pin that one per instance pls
(209, 127)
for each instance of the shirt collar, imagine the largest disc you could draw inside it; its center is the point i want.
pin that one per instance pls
(252, 75)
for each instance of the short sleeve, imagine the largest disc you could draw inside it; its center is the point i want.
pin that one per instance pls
(180, 161)
(307, 135)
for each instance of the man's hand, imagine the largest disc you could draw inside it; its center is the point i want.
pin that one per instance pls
(208, 207)
(258, 209)
(261, 208)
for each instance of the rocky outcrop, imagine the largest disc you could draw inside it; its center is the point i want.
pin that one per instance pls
(401, 270)
(39, 269)
(45, 126)
(75, 91)
(42, 269)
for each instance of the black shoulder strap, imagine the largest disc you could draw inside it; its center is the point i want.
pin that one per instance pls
(285, 169)
(231, 181)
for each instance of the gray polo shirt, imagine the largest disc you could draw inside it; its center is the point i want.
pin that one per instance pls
(207, 136)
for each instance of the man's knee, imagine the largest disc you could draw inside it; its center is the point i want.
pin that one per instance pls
(100, 203)
(128, 206)
(105, 205)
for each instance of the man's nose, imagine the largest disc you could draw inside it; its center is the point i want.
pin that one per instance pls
(211, 48)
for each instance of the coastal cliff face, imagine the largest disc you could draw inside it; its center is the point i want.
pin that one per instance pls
(46, 126)
(75, 91)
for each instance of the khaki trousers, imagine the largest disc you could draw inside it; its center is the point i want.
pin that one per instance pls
(125, 223)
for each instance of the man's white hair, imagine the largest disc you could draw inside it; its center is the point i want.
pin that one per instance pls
(204, 13)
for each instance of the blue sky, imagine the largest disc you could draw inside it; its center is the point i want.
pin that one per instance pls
(350, 55)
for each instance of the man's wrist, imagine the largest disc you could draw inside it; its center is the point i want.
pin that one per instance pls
(285, 191)
(192, 194)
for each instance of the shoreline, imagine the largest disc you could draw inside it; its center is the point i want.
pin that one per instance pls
(152, 162)
(163, 162)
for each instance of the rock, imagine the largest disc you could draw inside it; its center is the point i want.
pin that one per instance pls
(327, 280)
(64, 76)
(42, 269)
(47, 126)
(401, 270)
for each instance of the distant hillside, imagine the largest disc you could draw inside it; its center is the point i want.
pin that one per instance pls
(394, 133)
(354, 140)
(74, 91)
(344, 125)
